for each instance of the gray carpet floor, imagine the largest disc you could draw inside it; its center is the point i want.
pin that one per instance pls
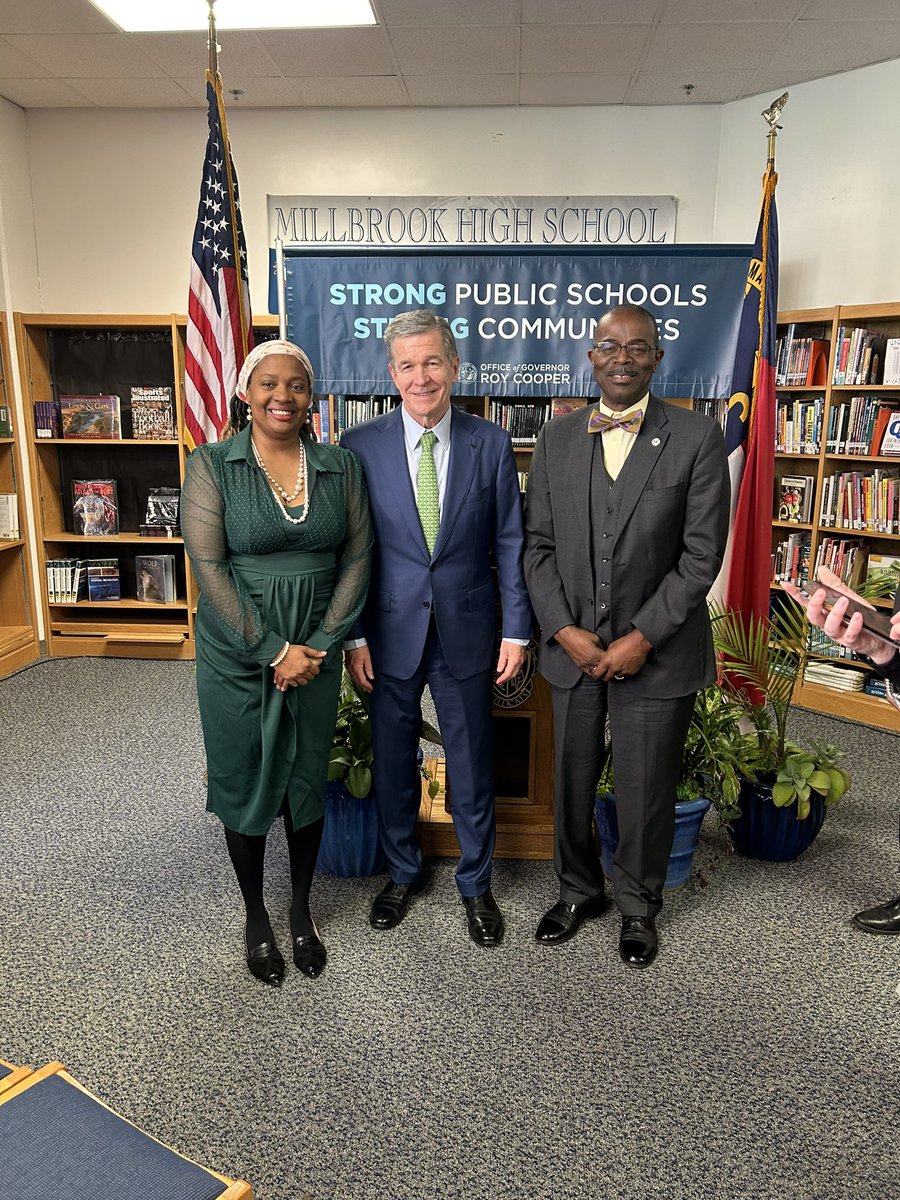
(758, 1058)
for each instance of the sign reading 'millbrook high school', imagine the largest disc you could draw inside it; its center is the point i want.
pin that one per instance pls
(523, 318)
(369, 222)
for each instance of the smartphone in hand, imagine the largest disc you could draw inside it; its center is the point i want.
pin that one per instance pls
(875, 622)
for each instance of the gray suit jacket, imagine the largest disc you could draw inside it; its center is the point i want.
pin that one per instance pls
(669, 538)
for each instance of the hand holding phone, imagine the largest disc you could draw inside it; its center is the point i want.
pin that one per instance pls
(875, 622)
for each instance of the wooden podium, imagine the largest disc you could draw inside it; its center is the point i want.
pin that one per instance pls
(523, 775)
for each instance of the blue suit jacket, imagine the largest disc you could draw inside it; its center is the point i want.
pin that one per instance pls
(481, 526)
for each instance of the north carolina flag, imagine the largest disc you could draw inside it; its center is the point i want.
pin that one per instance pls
(750, 427)
(219, 332)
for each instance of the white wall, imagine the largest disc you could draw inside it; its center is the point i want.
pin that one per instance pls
(838, 186)
(116, 191)
(19, 284)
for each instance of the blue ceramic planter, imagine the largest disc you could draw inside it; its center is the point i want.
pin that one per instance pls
(688, 819)
(350, 842)
(770, 833)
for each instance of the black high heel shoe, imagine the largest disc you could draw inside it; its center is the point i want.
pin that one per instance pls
(310, 955)
(265, 962)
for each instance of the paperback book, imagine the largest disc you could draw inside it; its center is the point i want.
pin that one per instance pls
(9, 515)
(152, 414)
(5, 421)
(91, 417)
(103, 582)
(795, 498)
(46, 419)
(155, 577)
(95, 507)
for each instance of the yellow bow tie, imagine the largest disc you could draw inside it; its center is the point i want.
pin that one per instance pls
(600, 422)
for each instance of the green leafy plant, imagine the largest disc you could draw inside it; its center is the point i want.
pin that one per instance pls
(351, 756)
(710, 767)
(761, 662)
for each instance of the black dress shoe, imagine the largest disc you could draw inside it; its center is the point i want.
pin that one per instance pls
(638, 942)
(485, 919)
(391, 904)
(563, 920)
(266, 963)
(883, 919)
(310, 955)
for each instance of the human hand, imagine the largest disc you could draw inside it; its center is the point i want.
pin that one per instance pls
(299, 667)
(583, 647)
(359, 667)
(624, 657)
(834, 622)
(510, 662)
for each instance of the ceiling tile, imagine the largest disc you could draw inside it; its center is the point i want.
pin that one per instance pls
(53, 16)
(589, 12)
(667, 87)
(181, 54)
(42, 93)
(488, 90)
(573, 89)
(332, 52)
(677, 11)
(736, 44)
(836, 10)
(16, 65)
(256, 91)
(836, 45)
(439, 12)
(85, 56)
(769, 84)
(586, 49)
(133, 93)
(468, 50)
(377, 91)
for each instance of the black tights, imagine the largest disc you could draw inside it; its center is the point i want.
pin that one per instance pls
(248, 856)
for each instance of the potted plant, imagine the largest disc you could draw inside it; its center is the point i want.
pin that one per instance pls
(709, 776)
(785, 788)
(350, 841)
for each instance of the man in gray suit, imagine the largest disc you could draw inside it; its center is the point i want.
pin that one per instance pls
(626, 521)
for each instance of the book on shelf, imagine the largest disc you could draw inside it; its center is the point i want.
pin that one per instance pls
(95, 507)
(5, 421)
(153, 414)
(798, 425)
(846, 557)
(562, 405)
(892, 362)
(155, 577)
(859, 356)
(103, 582)
(9, 516)
(865, 500)
(795, 498)
(91, 417)
(801, 361)
(857, 425)
(521, 420)
(46, 419)
(162, 515)
(840, 679)
(890, 440)
(790, 561)
(876, 686)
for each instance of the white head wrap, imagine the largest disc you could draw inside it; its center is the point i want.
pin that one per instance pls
(263, 350)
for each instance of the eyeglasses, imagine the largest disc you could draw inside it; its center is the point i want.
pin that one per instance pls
(632, 349)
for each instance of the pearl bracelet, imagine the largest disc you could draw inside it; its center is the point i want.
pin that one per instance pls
(281, 656)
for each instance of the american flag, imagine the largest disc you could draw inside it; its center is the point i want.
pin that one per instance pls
(219, 330)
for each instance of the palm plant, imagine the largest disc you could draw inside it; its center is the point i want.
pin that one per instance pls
(761, 661)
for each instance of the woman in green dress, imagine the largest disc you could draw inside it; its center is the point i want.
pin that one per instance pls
(278, 532)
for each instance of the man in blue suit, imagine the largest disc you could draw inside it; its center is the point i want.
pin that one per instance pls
(446, 508)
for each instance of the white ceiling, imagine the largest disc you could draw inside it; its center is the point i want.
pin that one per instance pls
(65, 54)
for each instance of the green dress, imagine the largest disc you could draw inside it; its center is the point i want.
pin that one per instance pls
(264, 581)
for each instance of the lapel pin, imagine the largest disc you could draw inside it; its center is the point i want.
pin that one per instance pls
(655, 442)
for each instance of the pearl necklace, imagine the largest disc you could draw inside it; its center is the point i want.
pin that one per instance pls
(279, 492)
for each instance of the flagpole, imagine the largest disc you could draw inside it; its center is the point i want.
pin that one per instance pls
(211, 42)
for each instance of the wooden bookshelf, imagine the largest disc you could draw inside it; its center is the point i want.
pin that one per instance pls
(884, 318)
(19, 643)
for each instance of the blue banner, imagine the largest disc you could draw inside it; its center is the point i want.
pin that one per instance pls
(523, 321)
